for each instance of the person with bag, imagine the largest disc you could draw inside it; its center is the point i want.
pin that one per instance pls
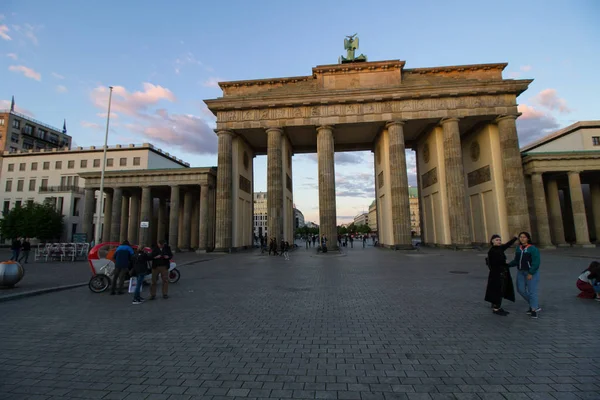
(140, 269)
(122, 259)
(589, 282)
(527, 261)
(499, 283)
(161, 260)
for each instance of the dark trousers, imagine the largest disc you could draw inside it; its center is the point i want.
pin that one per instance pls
(119, 275)
(15, 255)
(164, 275)
(24, 255)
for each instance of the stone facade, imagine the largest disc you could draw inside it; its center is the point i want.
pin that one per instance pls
(385, 108)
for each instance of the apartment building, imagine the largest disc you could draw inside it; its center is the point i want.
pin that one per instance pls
(260, 214)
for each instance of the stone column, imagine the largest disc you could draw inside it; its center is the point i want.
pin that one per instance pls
(124, 219)
(212, 212)
(88, 214)
(556, 219)
(134, 217)
(187, 219)
(595, 194)
(195, 222)
(174, 218)
(107, 216)
(146, 216)
(115, 224)
(161, 229)
(275, 184)
(399, 186)
(326, 165)
(541, 212)
(204, 206)
(512, 171)
(224, 202)
(455, 184)
(582, 235)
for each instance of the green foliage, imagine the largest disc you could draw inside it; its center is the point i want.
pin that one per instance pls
(41, 221)
(353, 229)
(305, 230)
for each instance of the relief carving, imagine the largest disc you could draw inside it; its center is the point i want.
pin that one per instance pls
(351, 109)
(264, 114)
(429, 178)
(479, 176)
(368, 108)
(387, 107)
(297, 112)
(248, 115)
(333, 110)
(315, 111)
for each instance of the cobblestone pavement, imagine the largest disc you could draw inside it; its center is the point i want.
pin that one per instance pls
(365, 324)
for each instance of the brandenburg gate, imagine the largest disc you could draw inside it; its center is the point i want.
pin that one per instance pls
(460, 120)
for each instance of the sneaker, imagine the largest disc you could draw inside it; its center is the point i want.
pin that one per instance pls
(500, 312)
(534, 314)
(137, 302)
(165, 296)
(152, 297)
(537, 310)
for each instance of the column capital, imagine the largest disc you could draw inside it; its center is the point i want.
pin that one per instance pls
(507, 116)
(449, 119)
(275, 129)
(321, 127)
(220, 132)
(574, 172)
(395, 122)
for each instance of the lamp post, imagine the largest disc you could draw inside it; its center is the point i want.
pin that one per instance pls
(101, 196)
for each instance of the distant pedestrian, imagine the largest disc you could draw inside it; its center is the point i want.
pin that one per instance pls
(286, 249)
(351, 241)
(364, 240)
(527, 261)
(161, 260)
(122, 259)
(26, 249)
(139, 271)
(15, 247)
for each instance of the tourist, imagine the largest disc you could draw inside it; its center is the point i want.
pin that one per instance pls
(527, 261)
(364, 239)
(161, 260)
(26, 248)
(589, 282)
(122, 259)
(499, 285)
(139, 271)
(15, 247)
(286, 249)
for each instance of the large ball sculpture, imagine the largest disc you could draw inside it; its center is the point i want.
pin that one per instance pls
(11, 272)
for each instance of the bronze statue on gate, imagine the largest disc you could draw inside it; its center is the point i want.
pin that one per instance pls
(350, 45)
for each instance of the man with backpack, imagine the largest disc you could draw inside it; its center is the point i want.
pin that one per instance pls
(122, 259)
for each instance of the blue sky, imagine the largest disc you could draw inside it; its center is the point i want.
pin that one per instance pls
(165, 57)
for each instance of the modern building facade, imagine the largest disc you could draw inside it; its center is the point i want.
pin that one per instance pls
(362, 219)
(54, 176)
(260, 214)
(563, 186)
(298, 219)
(373, 217)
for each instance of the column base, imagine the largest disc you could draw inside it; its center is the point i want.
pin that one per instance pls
(547, 246)
(563, 245)
(585, 245)
(201, 251)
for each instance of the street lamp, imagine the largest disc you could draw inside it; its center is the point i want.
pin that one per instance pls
(101, 196)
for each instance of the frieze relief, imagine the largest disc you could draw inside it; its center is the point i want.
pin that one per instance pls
(342, 110)
(429, 178)
(479, 176)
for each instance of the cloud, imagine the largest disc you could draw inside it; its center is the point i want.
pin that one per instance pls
(186, 59)
(534, 124)
(340, 158)
(5, 105)
(3, 32)
(525, 68)
(190, 133)
(360, 184)
(28, 31)
(91, 125)
(549, 99)
(61, 89)
(57, 76)
(113, 115)
(212, 82)
(13, 56)
(28, 72)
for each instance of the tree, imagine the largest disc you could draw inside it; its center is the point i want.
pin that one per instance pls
(34, 220)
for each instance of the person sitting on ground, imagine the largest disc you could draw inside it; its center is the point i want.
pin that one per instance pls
(122, 259)
(589, 282)
(499, 285)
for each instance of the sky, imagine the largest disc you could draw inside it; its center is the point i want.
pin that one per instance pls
(164, 58)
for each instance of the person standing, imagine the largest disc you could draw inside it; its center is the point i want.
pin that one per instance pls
(286, 249)
(122, 259)
(161, 260)
(364, 238)
(499, 283)
(139, 271)
(527, 261)
(26, 248)
(15, 247)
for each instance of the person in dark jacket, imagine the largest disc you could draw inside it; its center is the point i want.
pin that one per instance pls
(26, 249)
(16, 249)
(122, 259)
(161, 260)
(140, 268)
(499, 284)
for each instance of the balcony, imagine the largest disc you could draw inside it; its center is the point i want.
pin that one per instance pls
(63, 189)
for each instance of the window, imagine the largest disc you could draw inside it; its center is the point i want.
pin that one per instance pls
(76, 207)
(11, 167)
(27, 145)
(41, 133)
(71, 164)
(2, 121)
(8, 187)
(20, 184)
(61, 202)
(44, 184)
(28, 129)
(136, 161)
(34, 166)
(31, 185)
(13, 149)
(96, 163)
(109, 162)
(53, 138)
(18, 203)
(6, 207)
(58, 165)
(122, 162)
(16, 123)
(83, 164)
(22, 166)
(596, 140)
(14, 138)
(46, 165)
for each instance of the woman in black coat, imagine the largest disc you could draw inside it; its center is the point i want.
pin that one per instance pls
(499, 284)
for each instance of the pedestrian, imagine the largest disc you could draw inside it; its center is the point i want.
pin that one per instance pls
(15, 247)
(589, 282)
(161, 260)
(352, 241)
(122, 259)
(286, 249)
(499, 285)
(282, 246)
(140, 269)
(26, 248)
(364, 238)
(527, 261)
